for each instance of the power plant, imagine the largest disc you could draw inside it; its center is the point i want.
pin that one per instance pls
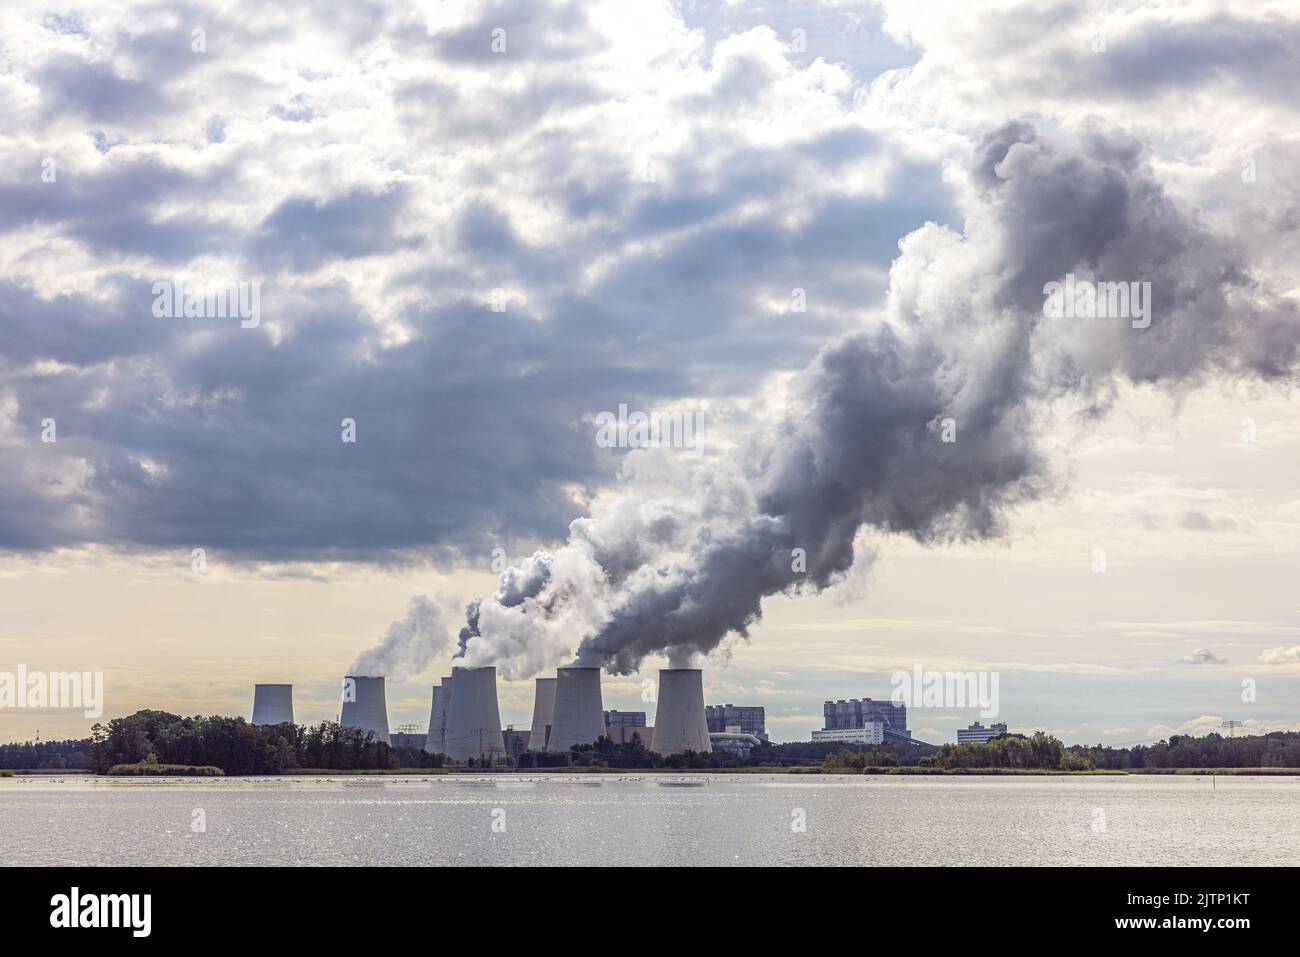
(543, 714)
(364, 706)
(473, 720)
(680, 724)
(579, 714)
(272, 704)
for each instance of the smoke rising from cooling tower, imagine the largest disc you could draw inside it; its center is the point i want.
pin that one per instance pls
(961, 341)
(410, 645)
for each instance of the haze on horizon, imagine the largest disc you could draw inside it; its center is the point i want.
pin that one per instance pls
(472, 253)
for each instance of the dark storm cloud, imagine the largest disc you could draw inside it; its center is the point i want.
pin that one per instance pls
(303, 234)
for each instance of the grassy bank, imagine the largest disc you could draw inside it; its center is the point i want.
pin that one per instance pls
(166, 770)
(1257, 772)
(332, 773)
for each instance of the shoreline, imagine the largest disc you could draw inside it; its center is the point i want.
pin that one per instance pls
(894, 771)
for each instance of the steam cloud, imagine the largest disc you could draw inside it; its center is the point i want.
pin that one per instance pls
(962, 336)
(409, 645)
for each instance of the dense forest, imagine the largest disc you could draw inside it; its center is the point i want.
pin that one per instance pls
(72, 755)
(234, 745)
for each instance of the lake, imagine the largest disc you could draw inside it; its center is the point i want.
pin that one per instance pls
(652, 819)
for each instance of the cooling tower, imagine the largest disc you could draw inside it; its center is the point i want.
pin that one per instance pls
(680, 724)
(366, 709)
(579, 715)
(436, 742)
(543, 714)
(272, 704)
(473, 721)
(432, 740)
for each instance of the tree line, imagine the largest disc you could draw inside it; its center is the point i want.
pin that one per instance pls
(234, 745)
(70, 755)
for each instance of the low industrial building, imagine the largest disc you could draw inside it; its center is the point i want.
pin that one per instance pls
(617, 719)
(871, 732)
(978, 734)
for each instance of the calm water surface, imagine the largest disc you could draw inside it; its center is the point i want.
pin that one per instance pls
(647, 820)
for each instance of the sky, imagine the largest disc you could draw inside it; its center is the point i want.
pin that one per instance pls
(823, 229)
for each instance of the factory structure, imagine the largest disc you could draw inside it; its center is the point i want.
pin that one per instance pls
(863, 721)
(733, 719)
(568, 711)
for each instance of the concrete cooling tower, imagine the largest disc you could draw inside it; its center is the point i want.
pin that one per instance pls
(272, 704)
(432, 742)
(364, 706)
(436, 742)
(543, 714)
(579, 714)
(680, 724)
(473, 721)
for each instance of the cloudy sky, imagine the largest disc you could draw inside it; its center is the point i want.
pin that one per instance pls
(823, 228)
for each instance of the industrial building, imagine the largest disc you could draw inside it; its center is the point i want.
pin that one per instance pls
(516, 742)
(679, 715)
(871, 732)
(624, 733)
(742, 719)
(733, 743)
(272, 704)
(857, 713)
(364, 706)
(630, 719)
(978, 734)
(408, 736)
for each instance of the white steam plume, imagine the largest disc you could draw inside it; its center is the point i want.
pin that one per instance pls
(963, 337)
